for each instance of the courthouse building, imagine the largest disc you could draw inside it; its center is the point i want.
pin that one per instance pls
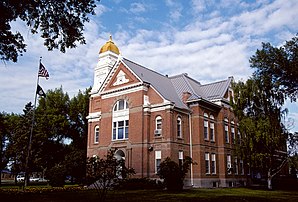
(147, 116)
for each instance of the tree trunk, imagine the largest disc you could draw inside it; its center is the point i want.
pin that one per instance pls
(269, 180)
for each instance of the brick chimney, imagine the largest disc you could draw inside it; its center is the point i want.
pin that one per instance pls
(185, 96)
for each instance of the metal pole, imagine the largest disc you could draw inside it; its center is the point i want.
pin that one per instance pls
(26, 179)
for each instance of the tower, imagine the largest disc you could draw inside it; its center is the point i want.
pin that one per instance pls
(108, 56)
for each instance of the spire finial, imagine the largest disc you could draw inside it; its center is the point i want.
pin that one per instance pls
(110, 37)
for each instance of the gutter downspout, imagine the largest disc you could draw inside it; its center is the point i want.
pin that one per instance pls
(190, 144)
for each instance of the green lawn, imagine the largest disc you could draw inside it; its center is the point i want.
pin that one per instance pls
(221, 195)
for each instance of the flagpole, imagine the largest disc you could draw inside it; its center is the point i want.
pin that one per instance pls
(31, 131)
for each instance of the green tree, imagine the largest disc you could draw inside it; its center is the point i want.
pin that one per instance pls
(259, 107)
(103, 174)
(3, 142)
(61, 24)
(281, 64)
(63, 121)
(263, 136)
(174, 174)
(75, 160)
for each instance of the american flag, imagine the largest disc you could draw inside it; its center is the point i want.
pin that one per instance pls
(42, 71)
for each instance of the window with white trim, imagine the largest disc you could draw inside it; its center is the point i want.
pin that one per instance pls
(120, 120)
(236, 166)
(96, 134)
(229, 164)
(157, 160)
(239, 136)
(180, 158)
(206, 136)
(213, 164)
(233, 132)
(158, 126)
(241, 167)
(212, 131)
(226, 130)
(207, 163)
(179, 127)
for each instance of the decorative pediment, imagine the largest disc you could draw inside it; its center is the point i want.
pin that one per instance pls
(121, 78)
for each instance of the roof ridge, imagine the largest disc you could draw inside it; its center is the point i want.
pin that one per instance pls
(193, 91)
(145, 68)
(225, 80)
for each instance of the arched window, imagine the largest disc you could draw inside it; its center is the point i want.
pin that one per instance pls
(96, 134)
(158, 126)
(120, 120)
(179, 127)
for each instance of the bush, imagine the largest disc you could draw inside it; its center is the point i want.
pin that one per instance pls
(174, 174)
(56, 176)
(139, 184)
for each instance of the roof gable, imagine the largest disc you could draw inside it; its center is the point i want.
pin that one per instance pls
(120, 76)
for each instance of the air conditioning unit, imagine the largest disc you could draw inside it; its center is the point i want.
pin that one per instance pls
(157, 132)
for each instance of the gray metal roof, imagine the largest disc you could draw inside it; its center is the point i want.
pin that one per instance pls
(172, 88)
(160, 82)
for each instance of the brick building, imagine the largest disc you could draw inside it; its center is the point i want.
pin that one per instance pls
(147, 117)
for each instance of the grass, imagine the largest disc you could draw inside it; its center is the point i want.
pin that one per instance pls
(202, 195)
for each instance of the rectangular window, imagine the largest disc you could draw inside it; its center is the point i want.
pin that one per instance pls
(158, 124)
(157, 160)
(212, 135)
(227, 134)
(126, 128)
(120, 130)
(179, 132)
(236, 166)
(96, 136)
(233, 134)
(213, 164)
(241, 167)
(180, 158)
(206, 130)
(229, 164)
(207, 163)
(114, 130)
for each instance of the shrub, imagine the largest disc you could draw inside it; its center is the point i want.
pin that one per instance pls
(56, 176)
(174, 174)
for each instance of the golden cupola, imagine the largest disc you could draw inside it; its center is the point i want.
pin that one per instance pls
(109, 46)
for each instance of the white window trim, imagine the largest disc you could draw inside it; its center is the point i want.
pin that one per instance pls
(213, 159)
(157, 157)
(118, 116)
(207, 158)
(179, 124)
(96, 134)
(206, 125)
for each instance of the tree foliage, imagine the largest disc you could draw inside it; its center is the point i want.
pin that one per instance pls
(59, 136)
(280, 64)
(60, 23)
(104, 174)
(174, 174)
(259, 107)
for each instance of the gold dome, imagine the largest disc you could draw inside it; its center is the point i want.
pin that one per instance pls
(109, 46)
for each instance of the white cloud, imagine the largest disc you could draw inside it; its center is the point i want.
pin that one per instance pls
(137, 8)
(207, 48)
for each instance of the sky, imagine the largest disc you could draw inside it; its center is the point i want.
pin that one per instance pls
(208, 39)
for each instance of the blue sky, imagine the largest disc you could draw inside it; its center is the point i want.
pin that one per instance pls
(209, 40)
